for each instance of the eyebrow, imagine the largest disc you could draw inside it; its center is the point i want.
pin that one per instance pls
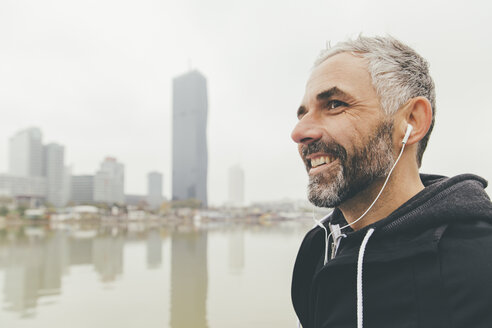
(327, 94)
(332, 92)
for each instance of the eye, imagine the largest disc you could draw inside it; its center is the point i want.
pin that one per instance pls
(333, 104)
(301, 112)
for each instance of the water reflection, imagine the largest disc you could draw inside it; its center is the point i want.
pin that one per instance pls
(189, 279)
(36, 261)
(236, 251)
(36, 258)
(107, 256)
(33, 268)
(154, 249)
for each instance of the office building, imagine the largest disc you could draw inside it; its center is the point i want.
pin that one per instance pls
(54, 168)
(30, 190)
(82, 189)
(190, 162)
(154, 189)
(26, 153)
(236, 186)
(109, 182)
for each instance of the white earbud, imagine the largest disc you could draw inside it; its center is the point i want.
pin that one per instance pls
(407, 134)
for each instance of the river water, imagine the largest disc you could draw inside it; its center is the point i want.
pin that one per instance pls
(128, 275)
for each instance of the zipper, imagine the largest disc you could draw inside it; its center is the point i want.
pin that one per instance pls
(336, 235)
(333, 250)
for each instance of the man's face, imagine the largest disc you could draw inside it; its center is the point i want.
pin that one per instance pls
(344, 138)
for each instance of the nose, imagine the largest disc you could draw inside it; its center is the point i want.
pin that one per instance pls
(306, 131)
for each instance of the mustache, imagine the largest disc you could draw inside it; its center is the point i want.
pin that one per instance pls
(331, 148)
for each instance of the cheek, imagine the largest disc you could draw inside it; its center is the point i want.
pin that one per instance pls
(357, 131)
(344, 133)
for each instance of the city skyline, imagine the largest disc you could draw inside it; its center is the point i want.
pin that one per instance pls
(107, 92)
(38, 175)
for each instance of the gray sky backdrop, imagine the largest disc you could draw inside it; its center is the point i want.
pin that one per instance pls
(95, 76)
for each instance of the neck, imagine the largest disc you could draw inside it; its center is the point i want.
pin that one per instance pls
(403, 184)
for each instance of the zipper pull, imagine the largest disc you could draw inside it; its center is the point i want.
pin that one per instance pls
(333, 250)
(336, 234)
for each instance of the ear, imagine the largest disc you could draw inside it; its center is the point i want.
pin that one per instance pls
(418, 113)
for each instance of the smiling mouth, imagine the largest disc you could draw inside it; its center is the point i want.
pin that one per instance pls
(320, 161)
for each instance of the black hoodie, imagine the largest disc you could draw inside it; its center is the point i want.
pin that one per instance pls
(428, 264)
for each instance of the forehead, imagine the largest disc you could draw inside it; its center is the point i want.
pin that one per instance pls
(345, 71)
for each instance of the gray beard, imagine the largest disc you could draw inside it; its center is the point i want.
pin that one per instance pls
(355, 173)
(323, 194)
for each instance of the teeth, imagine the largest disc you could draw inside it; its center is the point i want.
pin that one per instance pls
(320, 161)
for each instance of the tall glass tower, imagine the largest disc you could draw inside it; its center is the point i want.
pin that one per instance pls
(190, 155)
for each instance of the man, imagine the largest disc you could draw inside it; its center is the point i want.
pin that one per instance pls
(401, 249)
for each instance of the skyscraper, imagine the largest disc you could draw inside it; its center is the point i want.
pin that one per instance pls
(82, 189)
(190, 155)
(109, 182)
(236, 185)
(26, 153)
(154, 189)
(54, 167)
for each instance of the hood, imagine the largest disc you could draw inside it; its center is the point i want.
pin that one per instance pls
(443, 200)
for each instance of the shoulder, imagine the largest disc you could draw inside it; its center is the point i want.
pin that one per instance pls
(307, 260)
(467, 241)
(309, 253)
(465, 255)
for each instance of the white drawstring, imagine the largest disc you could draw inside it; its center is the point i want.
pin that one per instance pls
(360, 261)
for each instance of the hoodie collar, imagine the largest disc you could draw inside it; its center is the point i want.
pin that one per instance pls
(442, 200)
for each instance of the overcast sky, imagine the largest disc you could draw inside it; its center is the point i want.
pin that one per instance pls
(95, 76)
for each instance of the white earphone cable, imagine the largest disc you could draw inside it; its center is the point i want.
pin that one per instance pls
(320, 224)
(360, 260)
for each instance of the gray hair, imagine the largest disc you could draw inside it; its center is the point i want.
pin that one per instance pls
(398, 74)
